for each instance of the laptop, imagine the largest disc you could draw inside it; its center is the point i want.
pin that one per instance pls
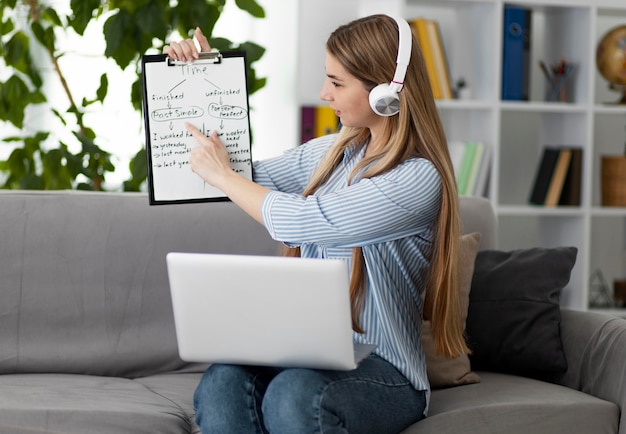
(263, 310)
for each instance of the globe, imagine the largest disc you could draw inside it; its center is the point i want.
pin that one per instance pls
(611, 59)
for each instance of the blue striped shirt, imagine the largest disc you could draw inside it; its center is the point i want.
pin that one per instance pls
(390, 216)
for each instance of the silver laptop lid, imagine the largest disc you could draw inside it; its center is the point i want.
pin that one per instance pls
(262, 310)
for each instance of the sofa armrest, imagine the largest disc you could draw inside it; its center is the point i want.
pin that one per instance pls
(595, 348)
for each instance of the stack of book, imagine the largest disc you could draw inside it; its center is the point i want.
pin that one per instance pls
(428, 34)
(317, 121)
(471, 161)
(558, 177)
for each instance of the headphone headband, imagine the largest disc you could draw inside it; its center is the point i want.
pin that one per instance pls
(404, 53)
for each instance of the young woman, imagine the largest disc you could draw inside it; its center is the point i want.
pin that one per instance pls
(381, 195)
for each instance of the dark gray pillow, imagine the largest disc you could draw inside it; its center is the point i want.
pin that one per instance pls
(514, 314)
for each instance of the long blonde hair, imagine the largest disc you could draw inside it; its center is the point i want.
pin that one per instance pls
(367, 49)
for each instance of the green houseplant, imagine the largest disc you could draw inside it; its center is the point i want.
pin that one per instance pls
(30, 33)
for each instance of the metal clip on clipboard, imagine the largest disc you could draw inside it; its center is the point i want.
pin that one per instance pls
(205, 57)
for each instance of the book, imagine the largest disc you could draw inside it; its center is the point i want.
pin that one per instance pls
(466, 167)
(558, 177)
(307, 123)
(481, 183)
(456, 149)
(439, 59)
(543, 175)
(317, 121)
(326, 121)
(475, 168)
(516, 53)
(471, 162)
(570, 195)
(420, 27)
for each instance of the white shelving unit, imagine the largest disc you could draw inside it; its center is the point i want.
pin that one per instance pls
(516, 131)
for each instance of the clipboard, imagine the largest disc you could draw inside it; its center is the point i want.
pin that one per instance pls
(210, 93)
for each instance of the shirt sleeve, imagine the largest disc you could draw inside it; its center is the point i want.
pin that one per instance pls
(291, 172)
(400, 203)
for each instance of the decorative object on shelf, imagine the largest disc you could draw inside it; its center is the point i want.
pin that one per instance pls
(611, 60)
(613, 168)
(599, 291)
(613, 185)
(461, 89)
(559, 77)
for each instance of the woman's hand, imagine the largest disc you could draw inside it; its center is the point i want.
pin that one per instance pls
(210, 160)
(186, 50)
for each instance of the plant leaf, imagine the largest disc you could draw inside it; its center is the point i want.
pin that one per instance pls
(17, 49)
(51, 16)
(82, 14)
(152, 21)
(13, 100)
(253, 51)
(192, 13)
(101, 93)
(252, 7)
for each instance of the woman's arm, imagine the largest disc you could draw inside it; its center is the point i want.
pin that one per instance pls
(291, 171)
(400, 203)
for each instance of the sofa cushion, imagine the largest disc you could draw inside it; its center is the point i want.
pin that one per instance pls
(503, 403)
(177, 387)
(514, 313)
(444, 371)
(84, 286)
(78, 404)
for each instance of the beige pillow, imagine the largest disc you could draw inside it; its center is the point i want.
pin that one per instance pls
(443, 371)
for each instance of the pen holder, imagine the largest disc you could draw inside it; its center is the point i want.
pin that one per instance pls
(558, 80)
(556, 90)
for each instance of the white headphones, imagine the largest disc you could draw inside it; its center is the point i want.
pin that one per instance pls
(384, 98)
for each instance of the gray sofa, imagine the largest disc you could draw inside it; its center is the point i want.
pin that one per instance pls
(87, 342)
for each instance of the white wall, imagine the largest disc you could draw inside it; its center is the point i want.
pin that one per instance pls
(274, 109)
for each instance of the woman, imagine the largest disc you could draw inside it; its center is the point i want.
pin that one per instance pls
(381, 195)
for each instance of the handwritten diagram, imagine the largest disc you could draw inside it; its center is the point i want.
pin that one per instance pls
(211, 96)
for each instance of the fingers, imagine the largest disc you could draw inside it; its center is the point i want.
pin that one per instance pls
(193, 130)
(198, 135)
(210, 160)
(202, 40)
(186, 50)
(201, 138)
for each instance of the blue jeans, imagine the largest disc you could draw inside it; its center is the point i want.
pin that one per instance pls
(374, 398)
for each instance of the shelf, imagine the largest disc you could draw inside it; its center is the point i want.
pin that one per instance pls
(599, 211)
(547, 107)
(453, 104)
(540, 211)
(610, 109)
(517, 131)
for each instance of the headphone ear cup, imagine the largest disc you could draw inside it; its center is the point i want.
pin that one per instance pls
(384, 101)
